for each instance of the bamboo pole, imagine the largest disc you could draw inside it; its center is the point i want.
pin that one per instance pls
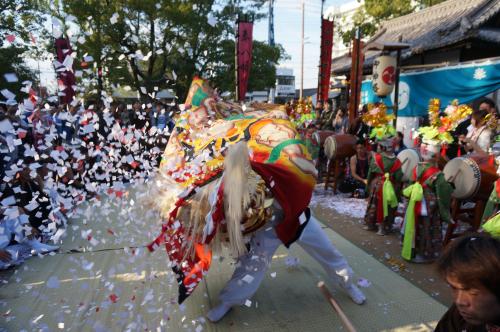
(347, 323)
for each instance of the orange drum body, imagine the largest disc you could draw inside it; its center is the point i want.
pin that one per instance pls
(320, 136)
(340, 146)
(473, 176)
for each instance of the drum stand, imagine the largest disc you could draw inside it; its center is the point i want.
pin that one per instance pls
(334, 169)
(456, 211)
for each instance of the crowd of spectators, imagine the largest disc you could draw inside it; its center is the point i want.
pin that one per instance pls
(55, 157)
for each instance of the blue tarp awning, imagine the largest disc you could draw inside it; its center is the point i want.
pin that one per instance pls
(465, 82)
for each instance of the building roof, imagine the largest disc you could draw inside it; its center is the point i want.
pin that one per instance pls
(305, 92)
(441, 25)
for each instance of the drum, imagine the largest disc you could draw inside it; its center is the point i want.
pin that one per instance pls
(340, 146)
(409, 159)
(320, 136)
(472, 176)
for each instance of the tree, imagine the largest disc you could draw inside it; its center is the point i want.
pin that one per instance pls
(20, 21)
(372, 13)
(11, 60)
(262, 72)
(381, 10)
(154, 45)
(20, 18)
(360, 20)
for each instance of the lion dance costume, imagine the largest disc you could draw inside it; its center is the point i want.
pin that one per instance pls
(229, 172)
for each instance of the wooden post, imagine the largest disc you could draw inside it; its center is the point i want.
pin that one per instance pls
(396, 88)
(355, 76)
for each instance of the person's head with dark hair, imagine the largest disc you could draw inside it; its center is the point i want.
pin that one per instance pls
(488, 105)
(478, 118)
(361, 148)
(398, 142)
(471, 266)
(327, 106)
(364, 109)
(319, 105)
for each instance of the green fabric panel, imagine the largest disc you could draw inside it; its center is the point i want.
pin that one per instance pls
(443, 191)
(415, 193)
(275, 153)
(238, 117)
(198, 97)
(493, 201)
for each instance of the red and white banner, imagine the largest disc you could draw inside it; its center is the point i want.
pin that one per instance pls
(66, 77)
(325, 59)
(244, 56)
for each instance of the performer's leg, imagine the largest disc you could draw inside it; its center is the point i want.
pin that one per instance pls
(315, 242)
(249, 273)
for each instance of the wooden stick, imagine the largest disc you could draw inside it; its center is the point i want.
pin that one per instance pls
(347, 323)
(452, 179)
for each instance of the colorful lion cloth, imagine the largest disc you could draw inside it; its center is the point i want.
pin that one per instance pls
(222, 170)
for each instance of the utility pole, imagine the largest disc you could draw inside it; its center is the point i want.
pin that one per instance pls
(270, 35)
(270, 31)
(302, 57)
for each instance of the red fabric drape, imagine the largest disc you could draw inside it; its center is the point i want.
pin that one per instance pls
(66, 77)
(425, 176)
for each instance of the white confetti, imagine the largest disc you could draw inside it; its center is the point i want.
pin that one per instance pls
(114, 18)
(11, 77)
(53, 282)
(248, 279)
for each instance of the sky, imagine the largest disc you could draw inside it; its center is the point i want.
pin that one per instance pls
(287, 32)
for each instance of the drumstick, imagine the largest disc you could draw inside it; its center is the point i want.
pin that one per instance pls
(452, 179)
(347, 323)
(404, 161)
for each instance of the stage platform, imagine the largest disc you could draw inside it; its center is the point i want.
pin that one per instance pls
(98, 283)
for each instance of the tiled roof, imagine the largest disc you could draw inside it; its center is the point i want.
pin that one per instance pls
(440, 25)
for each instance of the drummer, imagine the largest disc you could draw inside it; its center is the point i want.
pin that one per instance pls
(428, 207)
(479, 134)
(430, 194)
(384, 173)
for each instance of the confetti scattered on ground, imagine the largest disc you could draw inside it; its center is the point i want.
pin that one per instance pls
(342, 203)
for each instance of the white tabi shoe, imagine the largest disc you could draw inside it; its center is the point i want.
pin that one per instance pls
(381, 231)
(355, 294)
(217, 313)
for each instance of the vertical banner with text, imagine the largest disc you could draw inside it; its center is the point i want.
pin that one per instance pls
(65, 70)
(244, 56)
(325, 59)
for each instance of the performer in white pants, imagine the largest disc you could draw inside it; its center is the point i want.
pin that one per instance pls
(255, 263)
